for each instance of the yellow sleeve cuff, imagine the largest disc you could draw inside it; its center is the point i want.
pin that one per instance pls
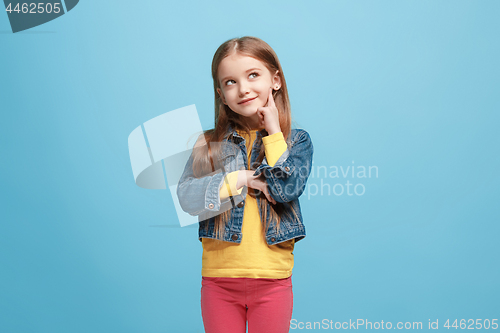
(274, 146)
(229, 186)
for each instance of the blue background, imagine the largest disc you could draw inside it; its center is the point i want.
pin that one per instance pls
(410, 87)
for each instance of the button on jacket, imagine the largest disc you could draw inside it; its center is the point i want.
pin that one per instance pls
(286, 182)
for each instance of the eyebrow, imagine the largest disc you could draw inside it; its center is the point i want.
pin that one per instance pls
(251, 69)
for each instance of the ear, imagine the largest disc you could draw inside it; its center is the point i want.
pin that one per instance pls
(276, 80)
(221, 96)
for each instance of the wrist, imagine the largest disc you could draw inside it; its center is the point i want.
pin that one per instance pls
(274, 131)
(242, 179)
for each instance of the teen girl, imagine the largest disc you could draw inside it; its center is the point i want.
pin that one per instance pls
(248, 240)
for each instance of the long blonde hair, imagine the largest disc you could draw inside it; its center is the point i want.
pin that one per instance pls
(204, 161)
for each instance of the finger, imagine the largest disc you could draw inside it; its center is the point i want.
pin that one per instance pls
(261, 112)
(261, 118)
(270, 99)
(268, 196)
(271, 200)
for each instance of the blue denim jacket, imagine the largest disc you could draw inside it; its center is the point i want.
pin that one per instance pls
(286, 182)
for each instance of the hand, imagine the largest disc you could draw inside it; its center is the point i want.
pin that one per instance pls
(269, 116)
(246, 177)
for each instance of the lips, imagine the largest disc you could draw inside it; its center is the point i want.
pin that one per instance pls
(247, 100)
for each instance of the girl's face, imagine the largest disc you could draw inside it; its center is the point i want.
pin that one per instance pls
(245, 83)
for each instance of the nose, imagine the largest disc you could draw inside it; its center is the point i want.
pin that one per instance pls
(244, 89)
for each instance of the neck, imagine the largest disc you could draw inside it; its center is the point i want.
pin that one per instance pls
(253, 122)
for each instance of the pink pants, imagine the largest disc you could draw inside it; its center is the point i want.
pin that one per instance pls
(228, 303)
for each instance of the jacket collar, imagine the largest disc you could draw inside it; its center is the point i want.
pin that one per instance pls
(233, 135)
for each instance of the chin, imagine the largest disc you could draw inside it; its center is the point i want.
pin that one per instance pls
(250, 114)
(246, 113)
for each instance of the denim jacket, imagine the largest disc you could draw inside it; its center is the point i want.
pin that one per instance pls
(286, 181)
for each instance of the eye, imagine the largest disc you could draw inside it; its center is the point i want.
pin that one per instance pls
(227, 82)
(256, 74)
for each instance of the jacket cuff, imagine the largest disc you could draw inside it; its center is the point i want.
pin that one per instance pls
(212, 198)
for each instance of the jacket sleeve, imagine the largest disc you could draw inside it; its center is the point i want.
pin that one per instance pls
(287, 178)
(203, 194)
